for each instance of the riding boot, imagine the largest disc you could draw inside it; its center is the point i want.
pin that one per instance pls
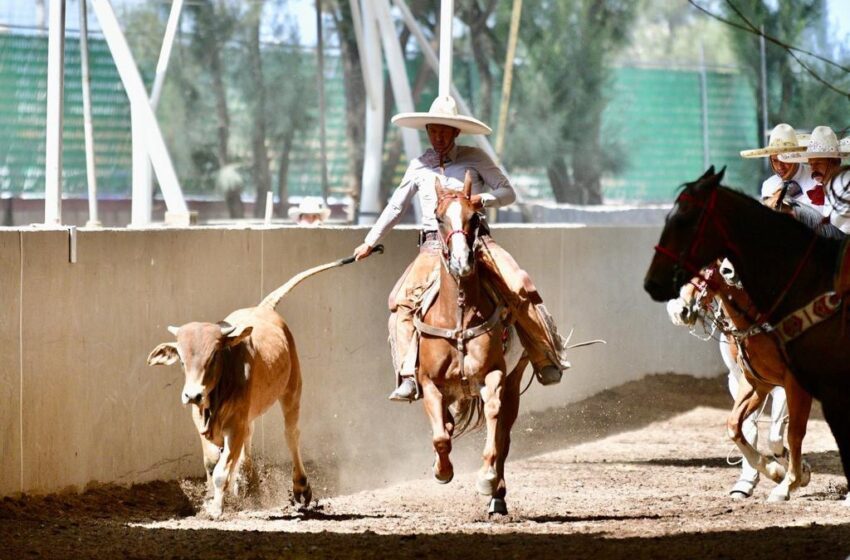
(404, 351)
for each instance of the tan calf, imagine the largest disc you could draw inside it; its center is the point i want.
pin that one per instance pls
(235, 370)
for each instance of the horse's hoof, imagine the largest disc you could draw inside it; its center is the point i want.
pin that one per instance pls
(497, 507)
(778, 497)
(444, 480)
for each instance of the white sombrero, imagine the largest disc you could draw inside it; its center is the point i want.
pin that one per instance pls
(783, 139)
(309, 205)
(443, 111)
(823, 144)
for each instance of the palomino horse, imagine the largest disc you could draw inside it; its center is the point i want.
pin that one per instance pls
(760, 359)
(461, 356)
(797, 281)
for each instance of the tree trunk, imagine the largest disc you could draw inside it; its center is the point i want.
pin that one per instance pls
(262, 177)
(559, 180)
(221, 112)
(355, 101)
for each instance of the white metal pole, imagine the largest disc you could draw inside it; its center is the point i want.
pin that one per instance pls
(447, 13)
(165, 52)
(398, 75)
(55, 89)
(370, 193)
(144, 213)
(141, 209)
(88, 130)
(320, 84)
(132, 80)
(358, 37)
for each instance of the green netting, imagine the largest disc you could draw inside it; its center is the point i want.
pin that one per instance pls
(658, 115)
(656, 112)
(23, 89)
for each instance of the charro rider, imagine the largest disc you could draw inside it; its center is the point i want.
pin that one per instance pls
(787, 188)
(823, 154)
(449, 162)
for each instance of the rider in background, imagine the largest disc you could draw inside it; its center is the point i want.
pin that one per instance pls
(823, 155)
(449, 162)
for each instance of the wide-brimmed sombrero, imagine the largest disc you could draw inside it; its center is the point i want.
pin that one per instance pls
(783, 139)
(309, 206)
(823, 144)
(443, 111)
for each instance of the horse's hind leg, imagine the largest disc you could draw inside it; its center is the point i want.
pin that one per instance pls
(436, 409)
(799, 407)
(492, 394)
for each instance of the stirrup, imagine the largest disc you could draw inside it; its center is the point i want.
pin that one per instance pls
(407, 391)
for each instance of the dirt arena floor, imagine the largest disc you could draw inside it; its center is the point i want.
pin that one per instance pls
(639, 471)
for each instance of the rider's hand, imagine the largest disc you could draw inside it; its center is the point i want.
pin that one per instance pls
(476, 201)
(362, 251)
(773, 200)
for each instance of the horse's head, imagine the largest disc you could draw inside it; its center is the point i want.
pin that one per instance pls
(686, 243)
(458, 226)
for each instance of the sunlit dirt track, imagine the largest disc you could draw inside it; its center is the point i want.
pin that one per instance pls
(646, 478)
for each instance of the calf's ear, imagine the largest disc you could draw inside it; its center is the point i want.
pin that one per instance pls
(238, 334)
(163, 355)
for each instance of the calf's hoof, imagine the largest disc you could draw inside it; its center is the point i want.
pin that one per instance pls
(806, 475)
(497, 507)
(302, 496)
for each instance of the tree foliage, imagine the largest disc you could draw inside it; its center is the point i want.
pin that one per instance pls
(567, 50)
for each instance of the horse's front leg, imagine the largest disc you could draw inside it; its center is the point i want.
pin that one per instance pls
(799, 408)
(491, 393)
(435, 408)
(505, 422)
(749, 399)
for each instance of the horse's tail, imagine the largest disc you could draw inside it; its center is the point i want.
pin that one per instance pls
(469, 416)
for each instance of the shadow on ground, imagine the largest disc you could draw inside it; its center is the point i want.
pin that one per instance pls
(114, 541)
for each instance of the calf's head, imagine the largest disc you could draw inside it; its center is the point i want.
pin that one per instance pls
(199, 347)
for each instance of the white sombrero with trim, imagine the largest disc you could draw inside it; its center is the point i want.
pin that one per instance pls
(783, 139)
(443, 111)
(823, 144)
(309, 206)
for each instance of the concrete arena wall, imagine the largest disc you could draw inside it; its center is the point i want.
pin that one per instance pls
(79, 403)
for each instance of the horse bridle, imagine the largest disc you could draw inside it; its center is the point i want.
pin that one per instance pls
(444, 241)
(683, 263)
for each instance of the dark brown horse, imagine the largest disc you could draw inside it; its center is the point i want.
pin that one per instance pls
(784, 266)
(462, 362)
(759, 357)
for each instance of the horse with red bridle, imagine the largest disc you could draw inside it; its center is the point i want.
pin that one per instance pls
(470, 359)
(798, 281)
(757, 354)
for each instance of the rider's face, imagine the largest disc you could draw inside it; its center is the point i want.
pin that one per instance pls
(442, 137)
(784, 170)
(823, 168)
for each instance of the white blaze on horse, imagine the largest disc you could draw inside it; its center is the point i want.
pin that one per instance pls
(757, 355)
(464, 369)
